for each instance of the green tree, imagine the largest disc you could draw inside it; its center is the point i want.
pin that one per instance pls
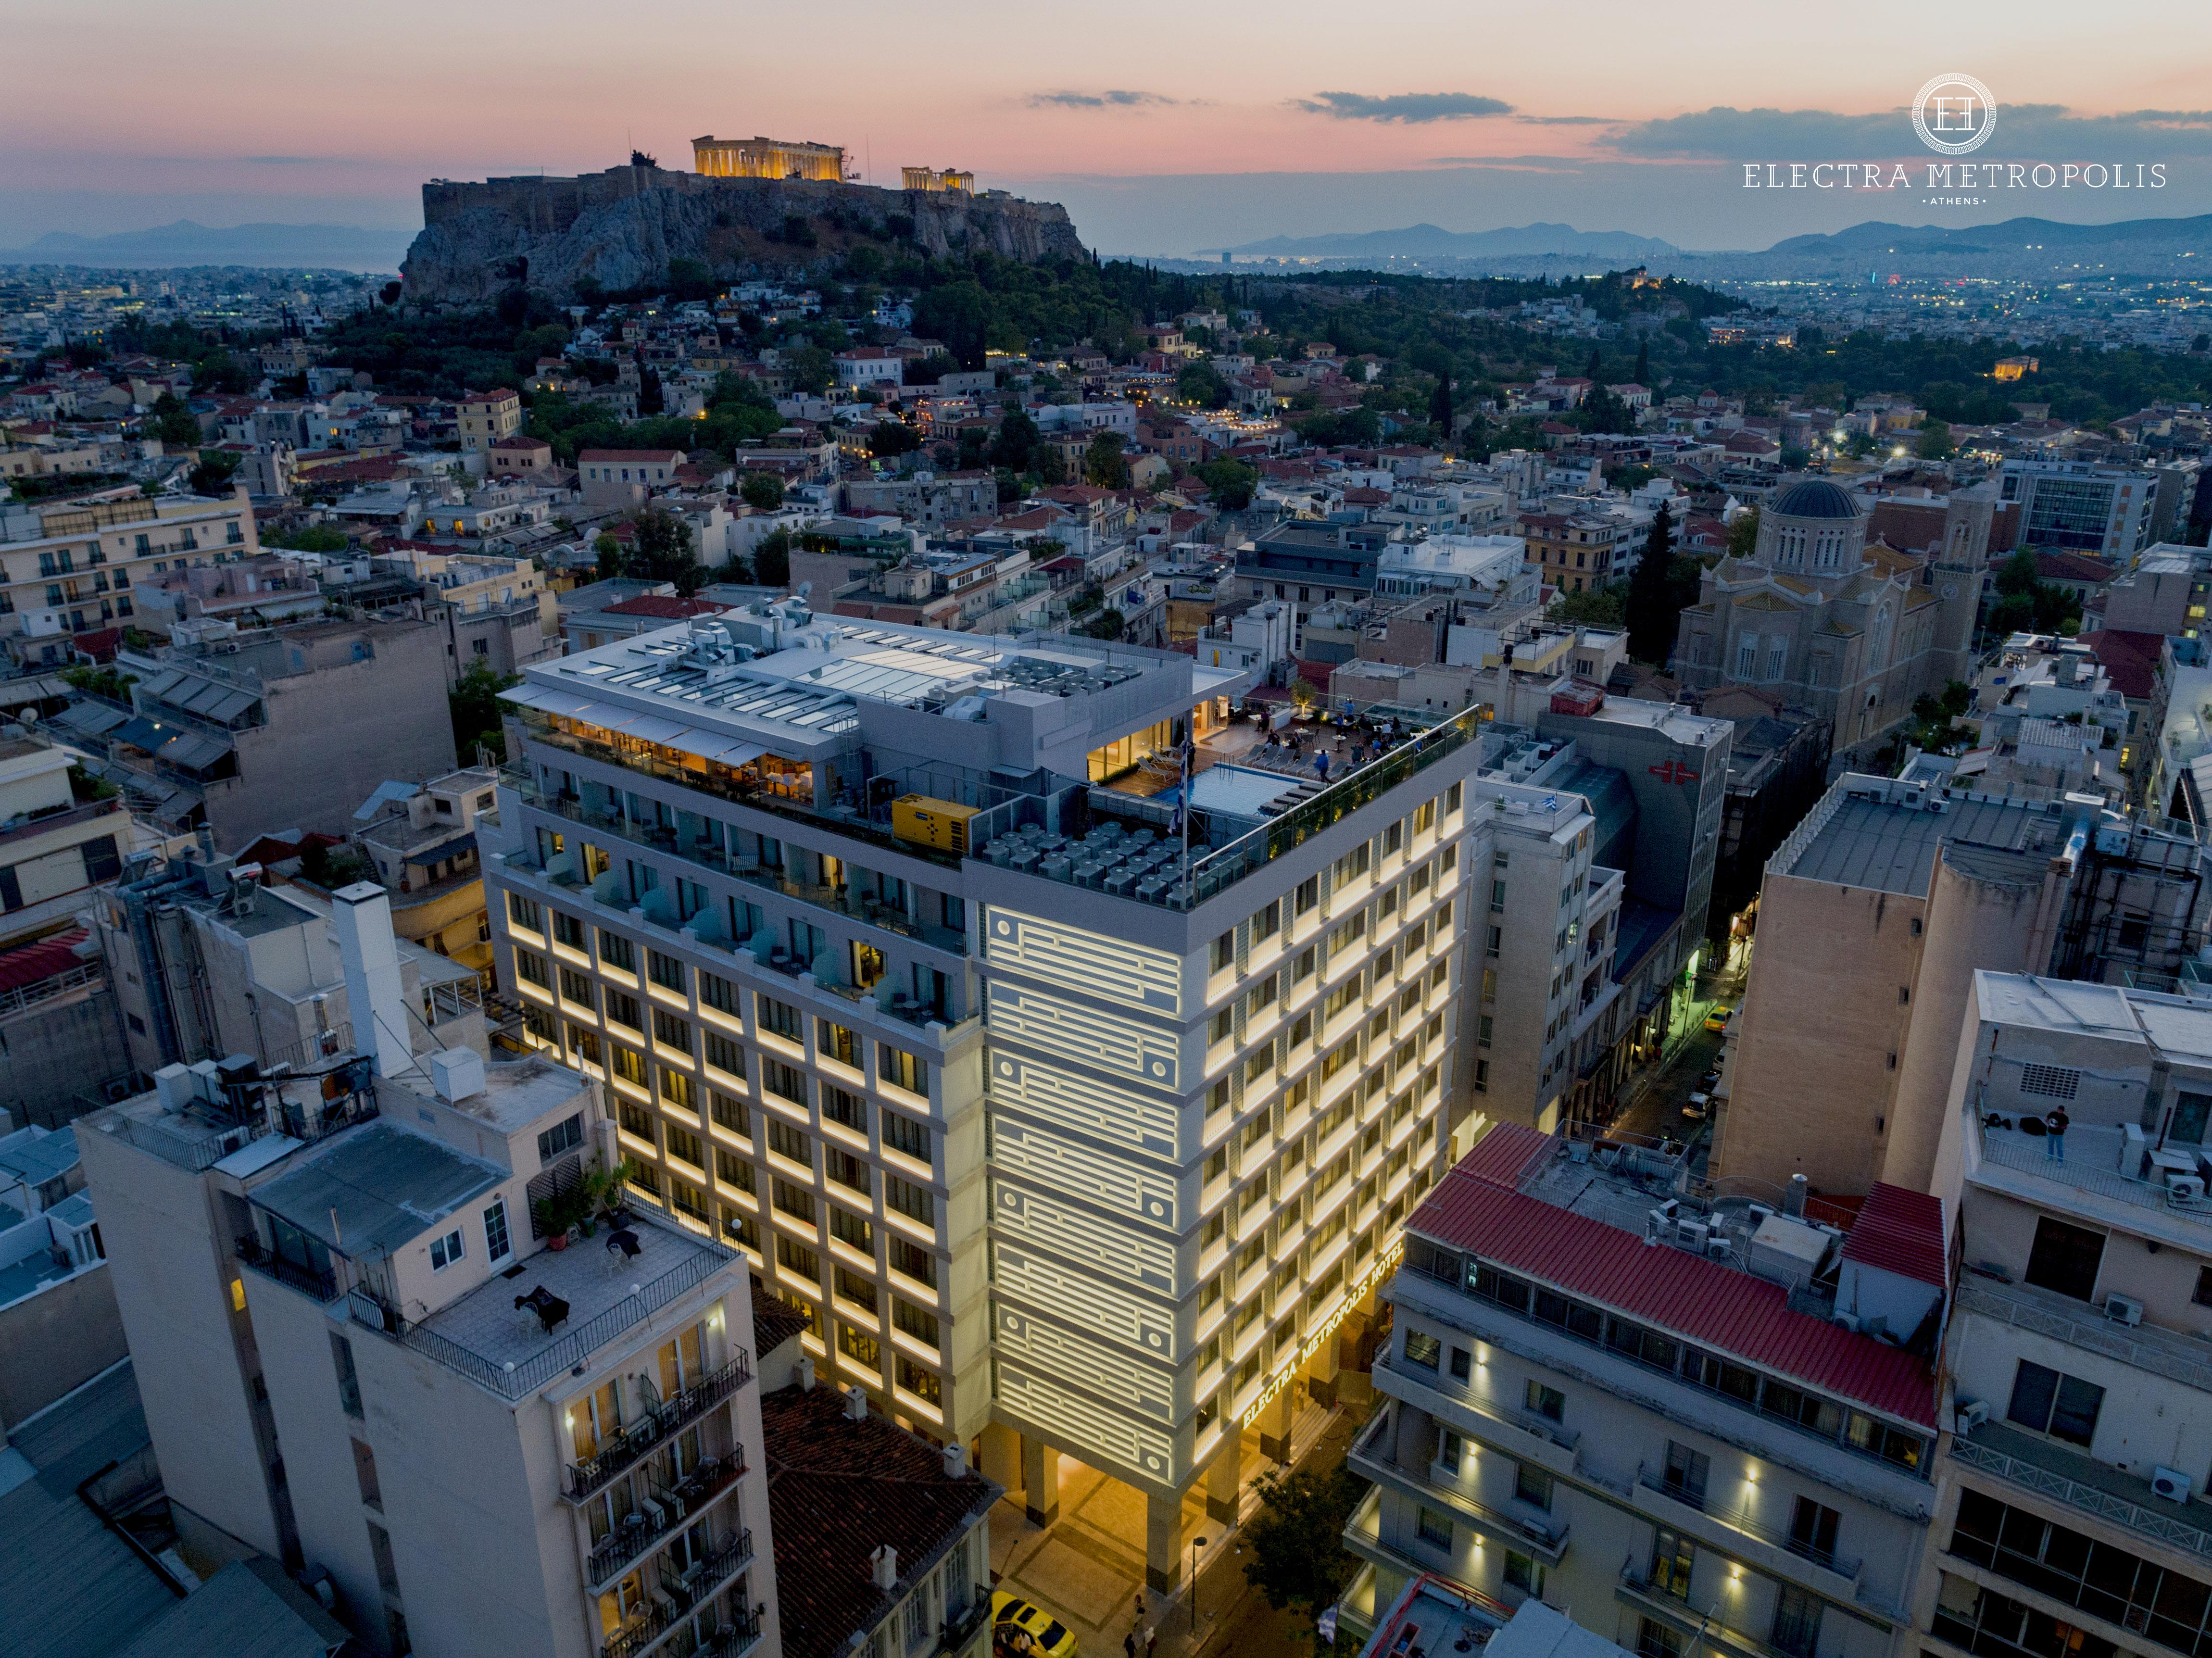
(889, 438)
(1642, 376)
(611, 556)
(1103, 463)
(1652, 609)
(1600, 607)
(1440, 409)
(211, 476)
(959, 314)
(811, 369)
(1201, 383)
(174, 423)
(1016, 438)
(1296, 1540)
(663, 551)
(474, 704)
(1230, 482)
(762, 491)
(1107, 624)
(772, 559)
(1743, 533)
(1047, 466)
(1935, 442)
(1591, 370)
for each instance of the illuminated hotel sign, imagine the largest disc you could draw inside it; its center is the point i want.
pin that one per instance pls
(1287, 1370)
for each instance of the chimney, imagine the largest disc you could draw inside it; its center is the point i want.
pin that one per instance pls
(804, 1370)
(1793, 1201)
(856, 1403)
(884, 1561)
(956, 1460)
(370, 956)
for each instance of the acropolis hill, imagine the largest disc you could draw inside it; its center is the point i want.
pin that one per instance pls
(621, 228)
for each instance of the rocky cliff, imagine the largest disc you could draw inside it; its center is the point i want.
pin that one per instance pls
(621, 228)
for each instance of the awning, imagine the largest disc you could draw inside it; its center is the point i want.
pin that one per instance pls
(722, 751)
(647, 728)
(140, 733)
(89, 718)
(547, 699)
(191, 750)
(465, 841)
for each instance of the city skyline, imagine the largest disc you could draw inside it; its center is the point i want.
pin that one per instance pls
(1172, 134)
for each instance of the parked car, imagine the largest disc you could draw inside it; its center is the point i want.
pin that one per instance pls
(1048, 1636)
(1697, 1106)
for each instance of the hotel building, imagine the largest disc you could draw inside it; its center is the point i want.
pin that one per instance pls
(1054, 1113)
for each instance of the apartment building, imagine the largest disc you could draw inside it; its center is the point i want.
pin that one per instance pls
(817, 899)
(1306, 563)
(375, 1368)
(70, 568)
(1667, 1418)
(421, 839)
(54, 848)
(486, 418)
(234, 730)
(2090, 506)
(2073, 1474)
(207, 961)
(1874, 916)
(1575, 550)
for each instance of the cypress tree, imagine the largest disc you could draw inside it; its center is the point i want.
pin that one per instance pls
(1642, 365)
(1652, 612)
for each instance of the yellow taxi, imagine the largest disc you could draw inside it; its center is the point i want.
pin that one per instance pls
(1048, 1636)
(1719, 1018)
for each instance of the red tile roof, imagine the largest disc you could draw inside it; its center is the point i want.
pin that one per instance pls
(837, 1490)
(1473, 1209)
(2130, 660)
(668, 457)
(1900, 1231)
(666, 607)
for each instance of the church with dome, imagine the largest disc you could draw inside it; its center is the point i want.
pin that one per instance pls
(1845, 628)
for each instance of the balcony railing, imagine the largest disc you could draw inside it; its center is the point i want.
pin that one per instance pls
(1742, 1520)
(2179, 1358)
(708, 855)
(322, 1286)
(630, 1544)
(960, 1628)
(678, 1596)
(2031, 1465)
(650, 1430)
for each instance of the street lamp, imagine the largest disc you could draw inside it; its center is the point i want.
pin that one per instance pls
(1196, 1544)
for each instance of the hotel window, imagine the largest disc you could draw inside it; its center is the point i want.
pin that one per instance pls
(788, 1142)
(844, 1107)
(524, 911)
(667, 972)
(1432, 1527)
(914, 1321)
(915, 1202)
(796, 1258)
(530, 966)
(671, 1032)
(916, 1262)
(685, 1147)
(718, 993)
(725, 1055)
(628, 1064)
(615, 951)
(679, 1090)
(568, 930)
(905, 1070)
(622, 1009)
(783, 1019)
(784, 1081)
(733, 1172)
(837, 1042)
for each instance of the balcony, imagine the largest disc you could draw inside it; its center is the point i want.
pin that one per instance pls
(840, 901)
(1371, 1460)
(1739, 1532)
(2103, 1494)
(650, 1430)
(1516, 1433)
(963, 1626)
(680, 1594)
(678, 1506)
(2179, 1358)
(321, 1287)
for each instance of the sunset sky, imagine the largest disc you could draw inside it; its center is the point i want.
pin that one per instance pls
(1166, 128)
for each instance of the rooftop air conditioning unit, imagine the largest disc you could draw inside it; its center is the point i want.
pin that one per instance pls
(1716, 1245)
(2123, 1310)
(2178, 1184)
(2171, 1484)
(1691, 1234)
(1973, 1414)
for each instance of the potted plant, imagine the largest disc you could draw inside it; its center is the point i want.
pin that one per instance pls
(602, 1194)
(556, 1215)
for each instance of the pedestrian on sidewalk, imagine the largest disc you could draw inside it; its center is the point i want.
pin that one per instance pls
(1129, 1645)
(1151, 1640)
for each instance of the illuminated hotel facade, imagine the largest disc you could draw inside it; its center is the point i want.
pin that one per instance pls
(766, 158)
(1047, 1128)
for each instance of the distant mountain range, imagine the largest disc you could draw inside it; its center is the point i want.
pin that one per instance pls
(1428, 241)
(2008, 237)
(288, 246)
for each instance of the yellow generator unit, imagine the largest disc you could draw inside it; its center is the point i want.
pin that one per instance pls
(940, 823)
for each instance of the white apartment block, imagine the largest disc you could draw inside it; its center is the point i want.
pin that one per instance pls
(376, 1371)
(74, 566)
(2080, 1409)
(1668, 1419)
(1045, 1126)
